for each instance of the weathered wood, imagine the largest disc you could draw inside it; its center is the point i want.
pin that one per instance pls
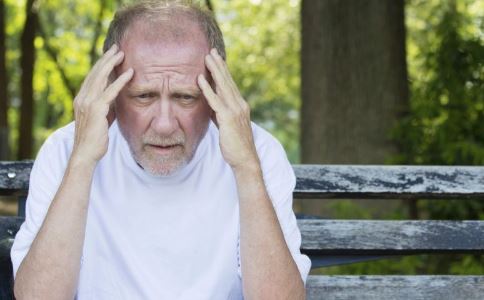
(368, 237)
(8, 228)
(14, 176)
(356, 237)
(395, 287)
(337, 181)
(388, 182)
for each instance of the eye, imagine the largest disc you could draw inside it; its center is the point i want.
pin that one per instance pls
(144, 96)
(185, 97)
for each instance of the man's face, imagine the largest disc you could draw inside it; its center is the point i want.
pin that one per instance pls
(162, 112)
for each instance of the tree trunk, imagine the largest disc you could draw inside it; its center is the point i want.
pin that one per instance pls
(4, 141)
(354, 80)
(354, 86)
(27, 62)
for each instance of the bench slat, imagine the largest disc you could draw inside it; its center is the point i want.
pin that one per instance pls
(388, 182)
(340, 181)
(369, 237)
(395, 287)
(359, 237)
(14, 175)
(8, 229)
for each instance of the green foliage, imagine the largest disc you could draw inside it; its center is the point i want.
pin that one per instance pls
(71, 40)
(412, 265)
(446, 68)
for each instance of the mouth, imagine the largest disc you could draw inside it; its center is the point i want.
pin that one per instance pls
(163, 148)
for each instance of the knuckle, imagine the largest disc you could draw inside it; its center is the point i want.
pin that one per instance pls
(245, 107)
(241, 114)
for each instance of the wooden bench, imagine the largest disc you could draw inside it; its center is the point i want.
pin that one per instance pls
(332, 242)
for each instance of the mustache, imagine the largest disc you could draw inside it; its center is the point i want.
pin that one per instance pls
(164, 141)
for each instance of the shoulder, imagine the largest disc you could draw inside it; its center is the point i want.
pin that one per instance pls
(57, 148)
(62, 136)
(271, 153)
(278, 173)
(268, 147)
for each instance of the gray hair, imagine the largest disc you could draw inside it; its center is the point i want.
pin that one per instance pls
(164, 11)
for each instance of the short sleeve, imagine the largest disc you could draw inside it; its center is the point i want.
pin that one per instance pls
(45, 178)
(280, 182)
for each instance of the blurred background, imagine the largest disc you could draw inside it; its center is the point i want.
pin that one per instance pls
(337, 82)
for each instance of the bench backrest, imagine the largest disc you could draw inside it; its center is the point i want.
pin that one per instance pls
(331, 242)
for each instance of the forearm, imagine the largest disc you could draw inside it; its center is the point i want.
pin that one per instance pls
(268, 269)
(50, 270)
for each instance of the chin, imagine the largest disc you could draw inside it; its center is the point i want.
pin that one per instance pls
(164, 168)
(163, 165)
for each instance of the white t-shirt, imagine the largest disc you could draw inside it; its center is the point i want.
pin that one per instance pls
(173, 237)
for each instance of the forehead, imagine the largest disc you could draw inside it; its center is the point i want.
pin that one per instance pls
(150, 47)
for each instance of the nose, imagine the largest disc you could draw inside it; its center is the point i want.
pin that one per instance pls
(164, 122)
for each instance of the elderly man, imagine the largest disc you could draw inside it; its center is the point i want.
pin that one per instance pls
(162, 188)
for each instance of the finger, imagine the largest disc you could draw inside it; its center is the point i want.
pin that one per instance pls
(108, 67)
(94, 70)
(222, 89)
(229, 89)
(220, 84)
(100, 78)
(113, 89)
(222, 65)
(212, 98)
(111, 52)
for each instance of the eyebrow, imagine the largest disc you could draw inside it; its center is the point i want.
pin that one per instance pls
(176, 90)
(186, 89)
(139, 88)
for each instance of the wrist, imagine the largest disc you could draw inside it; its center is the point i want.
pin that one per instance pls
(78, 161)
(249, 170)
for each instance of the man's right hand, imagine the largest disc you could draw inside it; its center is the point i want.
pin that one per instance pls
(92, 106)
(51, 268)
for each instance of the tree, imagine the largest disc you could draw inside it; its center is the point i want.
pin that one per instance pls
(27, 62)
(4, 140)
(354, 80)
(445, 124)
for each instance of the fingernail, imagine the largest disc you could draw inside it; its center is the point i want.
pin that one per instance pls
(114, 47)
(214, 51)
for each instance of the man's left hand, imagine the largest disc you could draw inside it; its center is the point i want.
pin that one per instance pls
(232, 114)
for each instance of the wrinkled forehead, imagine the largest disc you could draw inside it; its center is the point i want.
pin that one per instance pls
(184, 31)
(154, 43)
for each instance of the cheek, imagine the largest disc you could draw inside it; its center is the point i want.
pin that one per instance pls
(195, 123)
(130, 119)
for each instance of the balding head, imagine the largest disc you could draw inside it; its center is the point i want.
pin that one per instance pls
(166, 19)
